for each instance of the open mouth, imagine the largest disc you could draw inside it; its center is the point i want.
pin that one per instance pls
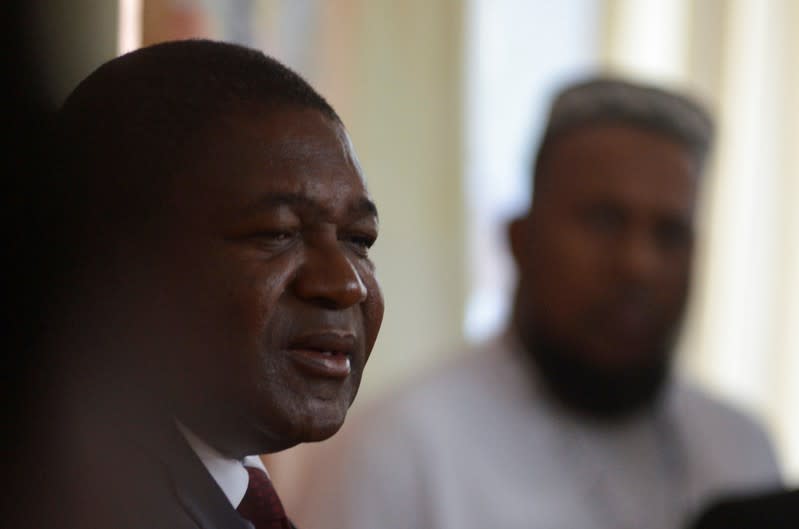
(324, 354)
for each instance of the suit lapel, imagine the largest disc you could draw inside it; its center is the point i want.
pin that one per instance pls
(200, 495)
(195, 490)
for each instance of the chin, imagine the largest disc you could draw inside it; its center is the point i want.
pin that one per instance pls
(324, 419)
(314, 421)
(321, 433)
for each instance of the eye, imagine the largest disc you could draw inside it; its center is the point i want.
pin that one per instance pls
(361, 242)
(274, 239)
(278, 235)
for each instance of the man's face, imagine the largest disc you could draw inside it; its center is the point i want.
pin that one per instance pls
(604, 256)
(274, 302)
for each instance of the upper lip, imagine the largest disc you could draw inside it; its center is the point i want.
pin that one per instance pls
(342, 342)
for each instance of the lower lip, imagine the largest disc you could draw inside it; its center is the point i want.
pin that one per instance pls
(320, 364)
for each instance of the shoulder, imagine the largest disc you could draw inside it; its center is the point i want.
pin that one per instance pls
(723, 439)
(468, 385)
(700, 411)
(460, 401)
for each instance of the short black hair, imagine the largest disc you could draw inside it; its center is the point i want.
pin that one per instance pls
(195, 77)
(606, 99)
(144, 107)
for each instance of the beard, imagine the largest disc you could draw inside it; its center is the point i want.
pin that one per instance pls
(600, 393)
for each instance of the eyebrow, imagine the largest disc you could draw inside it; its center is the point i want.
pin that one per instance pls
(362, 207)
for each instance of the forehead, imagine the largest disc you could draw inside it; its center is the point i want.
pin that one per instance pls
(290, 151)
(624, 162)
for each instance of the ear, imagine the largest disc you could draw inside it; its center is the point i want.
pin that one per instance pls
(519, 238)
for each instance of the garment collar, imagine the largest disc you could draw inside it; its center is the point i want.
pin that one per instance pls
(229, 473)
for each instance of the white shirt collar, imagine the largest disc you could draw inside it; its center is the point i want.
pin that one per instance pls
(229, 473)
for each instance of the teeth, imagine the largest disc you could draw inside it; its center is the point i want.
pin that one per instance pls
(326, 353)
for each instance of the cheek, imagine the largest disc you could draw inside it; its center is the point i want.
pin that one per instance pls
(373, 316)
(576, 250)
(567, 266)
(561, 281)
(255, 299)
(372, 307)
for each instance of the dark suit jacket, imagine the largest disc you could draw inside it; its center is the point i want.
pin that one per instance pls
(774, 510)
(126, 469)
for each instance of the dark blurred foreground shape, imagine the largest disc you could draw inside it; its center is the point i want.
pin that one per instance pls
(773, 510)
(48, 47)
(27, 150)
(572, 417)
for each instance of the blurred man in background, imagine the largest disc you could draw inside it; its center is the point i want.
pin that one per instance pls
(572, 418)
(215, 296)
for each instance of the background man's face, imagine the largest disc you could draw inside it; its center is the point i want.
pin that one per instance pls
(604, 257)
(277, 303)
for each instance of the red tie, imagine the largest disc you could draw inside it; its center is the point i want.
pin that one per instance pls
(261, 505)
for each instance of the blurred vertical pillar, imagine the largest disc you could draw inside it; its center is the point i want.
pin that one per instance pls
(646, 38)
(738, 287)
(746, 332)
(787, 402)
(129, 34)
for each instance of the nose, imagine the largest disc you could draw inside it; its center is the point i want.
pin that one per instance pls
(328, 278)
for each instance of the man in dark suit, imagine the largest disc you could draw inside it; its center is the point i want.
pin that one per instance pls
(215, 297)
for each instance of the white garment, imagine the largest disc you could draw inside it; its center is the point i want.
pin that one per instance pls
(229, 474)
(479, 446)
